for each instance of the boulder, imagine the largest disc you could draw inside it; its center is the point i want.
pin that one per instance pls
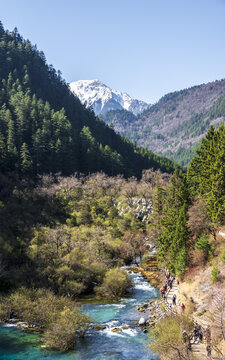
(116, 330)
(145, 305)
(142, 321)
(100, 327)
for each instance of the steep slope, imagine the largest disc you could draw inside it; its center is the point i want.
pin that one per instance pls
(174, 126)
(102, 99)
(122, 121)
(44, 128)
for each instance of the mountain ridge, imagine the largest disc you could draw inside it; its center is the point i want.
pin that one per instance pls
(95, 94)
(174, 126)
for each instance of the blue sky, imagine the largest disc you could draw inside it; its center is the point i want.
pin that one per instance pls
(144, 47)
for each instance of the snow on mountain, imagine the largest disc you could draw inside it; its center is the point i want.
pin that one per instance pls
(102, 99)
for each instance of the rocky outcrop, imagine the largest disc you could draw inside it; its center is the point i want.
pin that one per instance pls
(150, 271)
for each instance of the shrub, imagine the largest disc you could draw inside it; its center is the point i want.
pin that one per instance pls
(20, 303)
(5, 310)
(166, 337)
(37, 307)
(61, 321)
(115, 284)
(46, 308)
(73, 288)
(69, 325)
(215, 274)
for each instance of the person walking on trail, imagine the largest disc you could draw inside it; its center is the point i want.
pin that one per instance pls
(182, 307)
(200, 334)
(174, 299)
(185, 336)
(209, 350)
(207, 334)
(189, 342)
(196, 334)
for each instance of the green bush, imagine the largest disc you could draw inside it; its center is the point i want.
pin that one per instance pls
(166, 338)
(69, 325)
(37, 307)
(115, 284)
(58, 317)
(215, 274)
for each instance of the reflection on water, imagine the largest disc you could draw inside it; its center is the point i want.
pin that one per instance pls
(129, 343)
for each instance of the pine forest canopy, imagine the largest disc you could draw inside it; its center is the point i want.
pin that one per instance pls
(44, 128)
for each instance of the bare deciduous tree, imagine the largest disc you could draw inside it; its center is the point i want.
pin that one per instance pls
(198, 221)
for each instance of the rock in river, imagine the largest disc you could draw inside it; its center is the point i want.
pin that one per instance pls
(142, 321)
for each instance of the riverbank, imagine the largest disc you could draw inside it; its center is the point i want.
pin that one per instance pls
(151, 271)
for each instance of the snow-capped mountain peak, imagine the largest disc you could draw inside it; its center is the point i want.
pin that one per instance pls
(102, 99)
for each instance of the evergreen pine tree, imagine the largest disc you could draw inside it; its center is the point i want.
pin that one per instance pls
(2, 153)
(178, 248)
(26, 161)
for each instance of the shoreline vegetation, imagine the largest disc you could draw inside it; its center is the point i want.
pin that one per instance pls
(59, 319)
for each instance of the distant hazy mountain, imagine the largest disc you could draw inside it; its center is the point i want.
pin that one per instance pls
(102, 99)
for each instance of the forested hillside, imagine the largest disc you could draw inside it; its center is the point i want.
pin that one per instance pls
(175, 125)
(122, 121)
(44, 128)
(193, 205)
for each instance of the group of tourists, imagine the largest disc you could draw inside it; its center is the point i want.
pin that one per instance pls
(168, 285)
(197, 335)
